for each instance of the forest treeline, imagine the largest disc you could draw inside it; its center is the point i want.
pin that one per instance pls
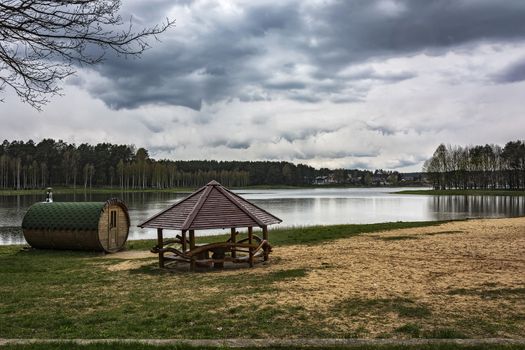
(28, 165)
(477, 167)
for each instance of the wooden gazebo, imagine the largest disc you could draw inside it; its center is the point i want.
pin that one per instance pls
(212, 207)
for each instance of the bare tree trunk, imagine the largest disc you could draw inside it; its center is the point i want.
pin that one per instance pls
(18, 166)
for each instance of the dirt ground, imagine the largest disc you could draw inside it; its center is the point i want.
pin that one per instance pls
(464, 272)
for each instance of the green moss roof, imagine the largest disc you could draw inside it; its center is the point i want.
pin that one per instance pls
(63, 216)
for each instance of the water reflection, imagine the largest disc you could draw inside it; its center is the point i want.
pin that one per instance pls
(295, 207)
(458, 207)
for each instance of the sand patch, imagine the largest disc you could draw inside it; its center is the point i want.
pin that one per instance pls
(131, 255)
(133, 259)
(128, 265)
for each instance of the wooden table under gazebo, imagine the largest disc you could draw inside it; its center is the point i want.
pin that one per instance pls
(212, 207)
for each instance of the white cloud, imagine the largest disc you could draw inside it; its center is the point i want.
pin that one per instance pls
(247, 81)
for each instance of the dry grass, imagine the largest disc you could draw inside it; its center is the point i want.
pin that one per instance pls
(459, 272)
(431, 277)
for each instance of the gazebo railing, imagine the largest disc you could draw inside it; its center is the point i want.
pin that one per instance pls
(200, 255)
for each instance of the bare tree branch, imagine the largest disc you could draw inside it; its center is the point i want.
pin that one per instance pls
(41, 41)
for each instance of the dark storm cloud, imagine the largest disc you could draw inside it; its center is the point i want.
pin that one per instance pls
(163, 149)
(259, 119)
(347, 99)
(512, 74)
(359, 30)
(334, 154)
(288, 85)
(359, 165)
(309, 98)
(211, 59)
(403, 163)
(372, 74)
(153, 127)
(168, 78)
(229, 143)
(382, 129)
(203, 118)
(304, 133)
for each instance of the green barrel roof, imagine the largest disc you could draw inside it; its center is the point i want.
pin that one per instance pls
(63, 216)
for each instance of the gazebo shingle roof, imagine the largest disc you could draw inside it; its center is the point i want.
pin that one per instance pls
(211, 206)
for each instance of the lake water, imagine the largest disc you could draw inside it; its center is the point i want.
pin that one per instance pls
(295, 207)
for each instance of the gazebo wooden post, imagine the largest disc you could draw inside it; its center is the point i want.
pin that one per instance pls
(250, 240)
(192, 246)
(233, 238)
(265, 237)
(184, 245)
(160, 244)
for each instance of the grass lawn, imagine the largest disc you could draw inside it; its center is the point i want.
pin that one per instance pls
(61, 294)
(465, 192)
(54, 346)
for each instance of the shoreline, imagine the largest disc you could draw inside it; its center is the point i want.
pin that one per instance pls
(287, 233)
(410, 190)
(455, 192)
(102, 190)
(147, 243)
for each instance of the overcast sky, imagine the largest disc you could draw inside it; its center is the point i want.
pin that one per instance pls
(353, 84)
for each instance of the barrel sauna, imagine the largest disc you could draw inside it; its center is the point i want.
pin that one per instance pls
(77, 225)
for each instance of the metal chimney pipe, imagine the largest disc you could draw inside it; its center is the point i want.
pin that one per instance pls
(49, 195)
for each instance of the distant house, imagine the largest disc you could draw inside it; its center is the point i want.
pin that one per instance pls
(325, 180)
(411, 177)
(355, 179)
(321, 180)
(379, 180)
